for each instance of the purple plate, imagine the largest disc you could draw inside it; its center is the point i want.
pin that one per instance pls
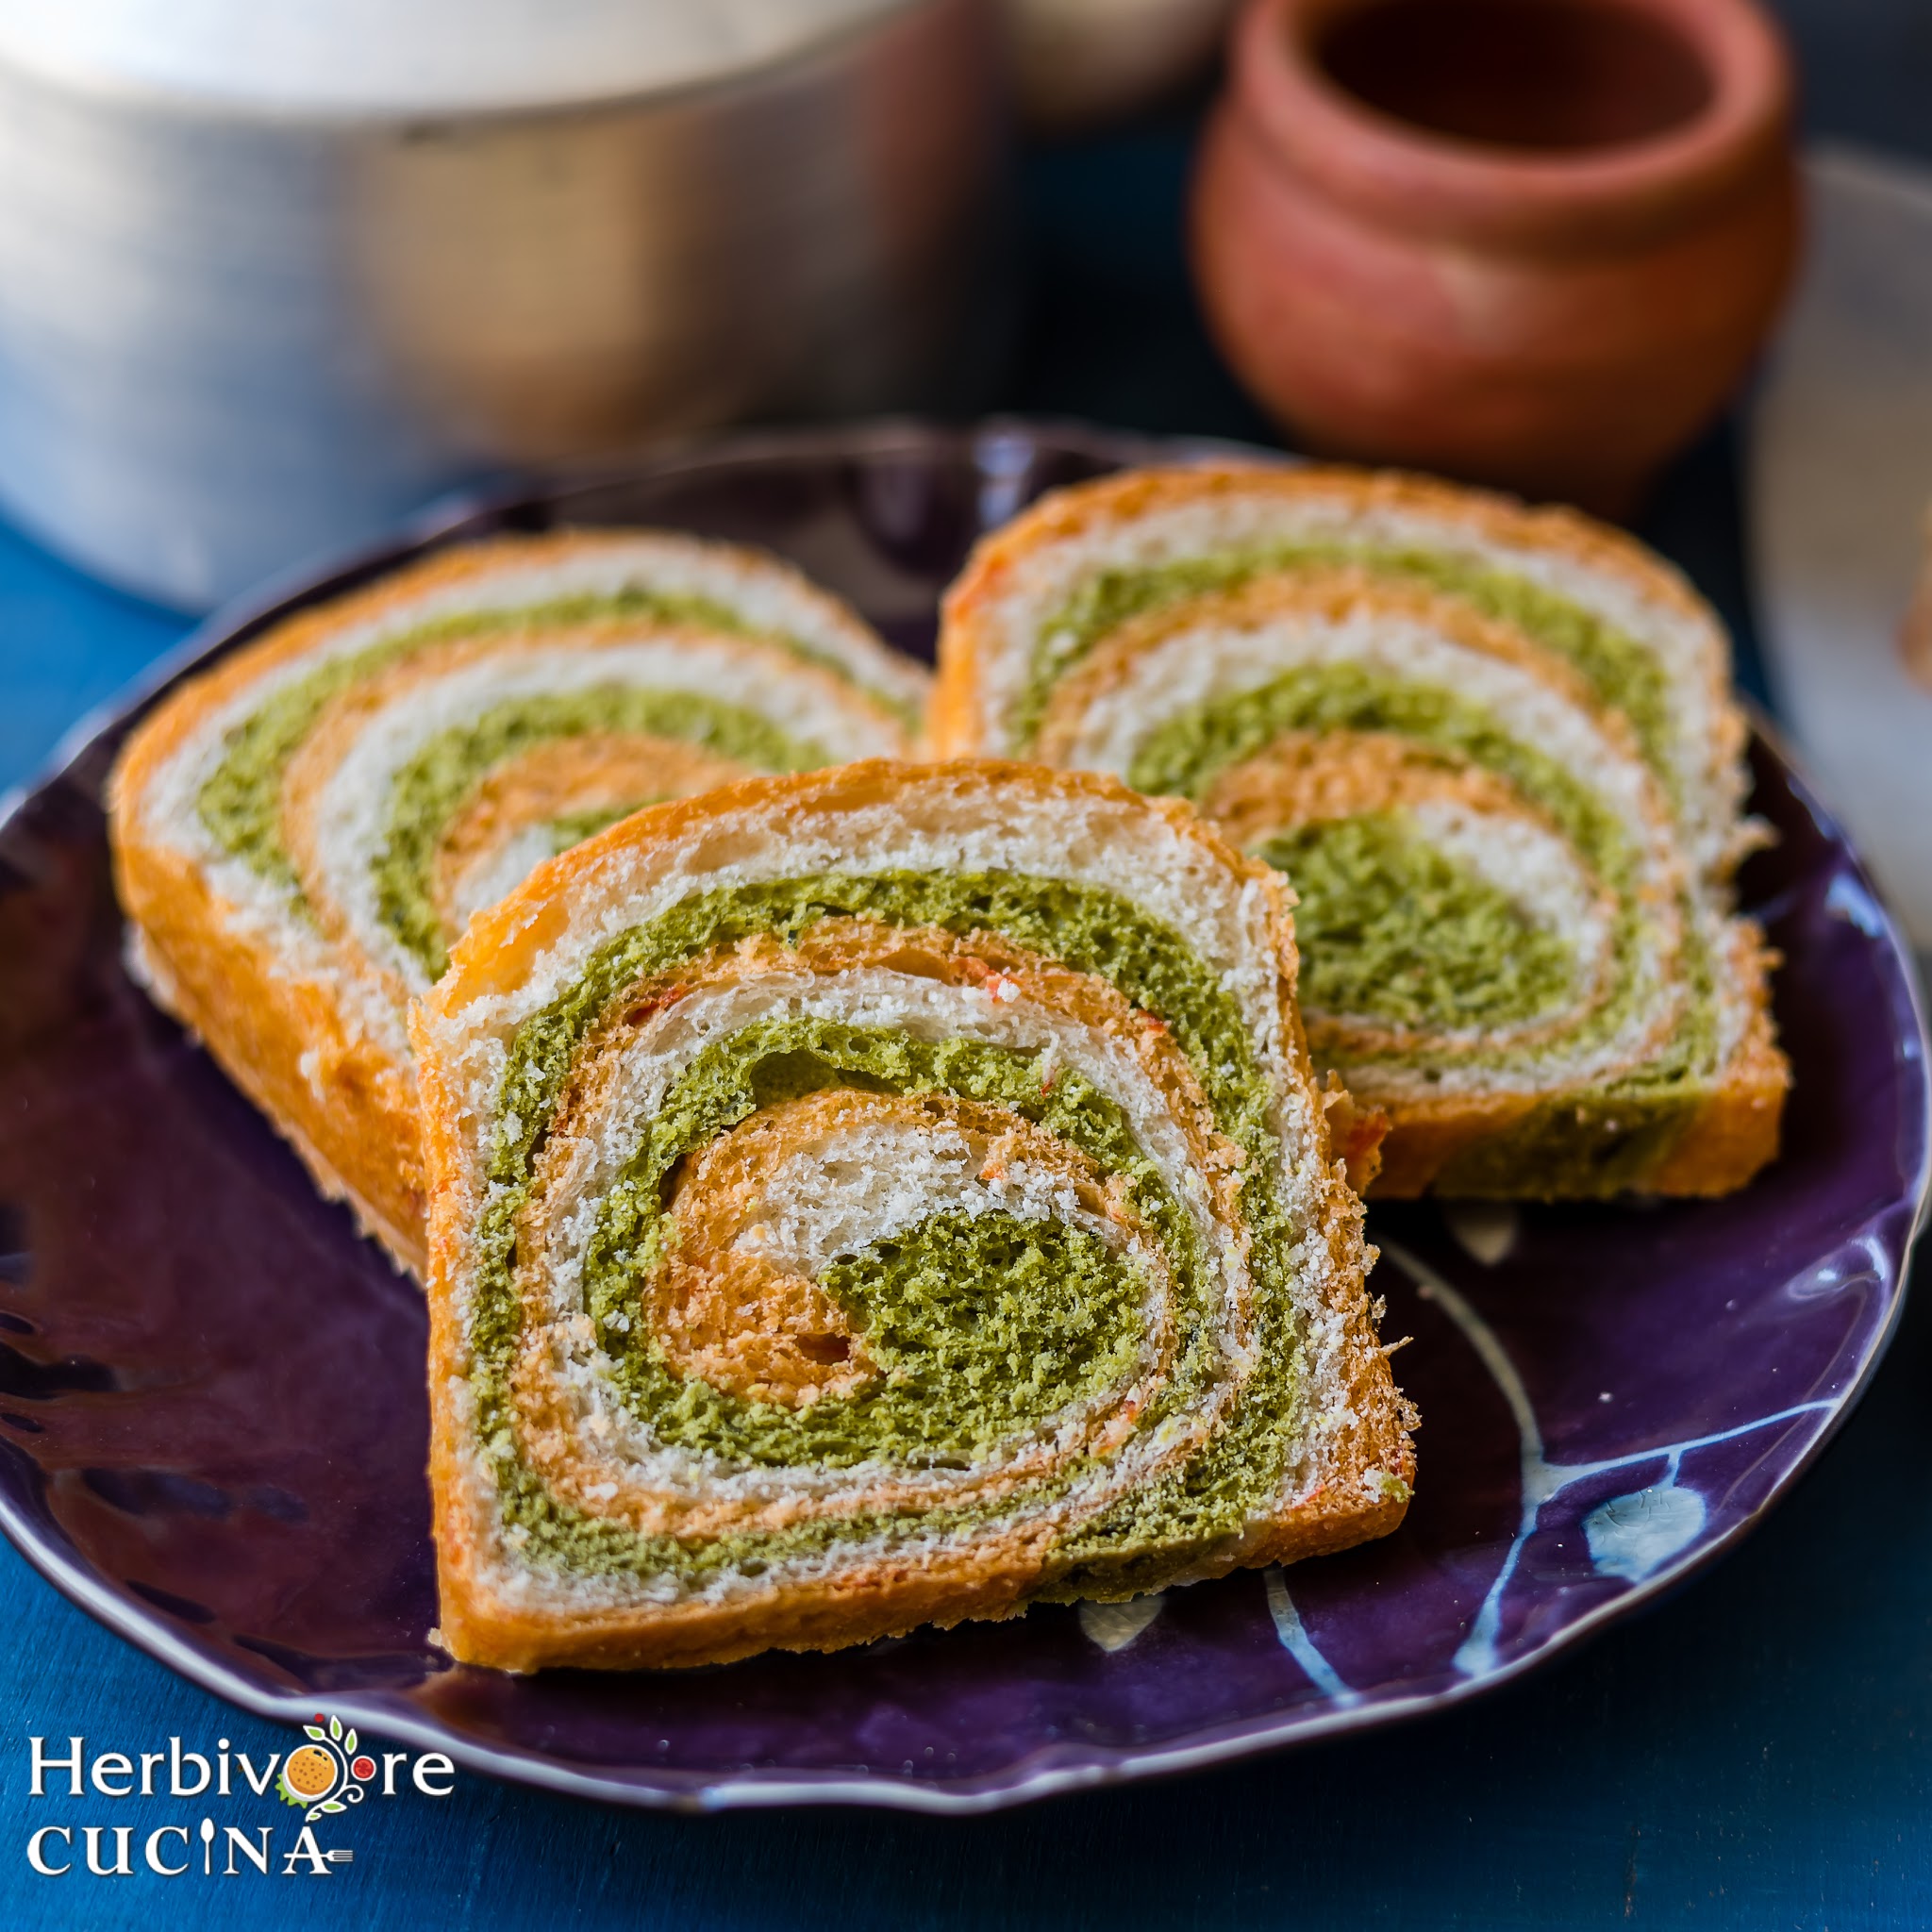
(213, 1422)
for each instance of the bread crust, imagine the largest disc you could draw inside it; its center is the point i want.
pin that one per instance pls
(482, 1622)
(345, 1105)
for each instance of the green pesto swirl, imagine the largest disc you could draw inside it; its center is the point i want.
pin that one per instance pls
(240, 804)
(1185, 754)
(1594, 1144)
(434, 785)
(1620, 672)
(983, 1329)
(1391, 928)
(896, 1295)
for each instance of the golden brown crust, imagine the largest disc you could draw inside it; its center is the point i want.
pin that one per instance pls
(345, 1105)
(889, 1600)
(1723, 1146)
(503, 947)
(340, 1101)
(1427, 1137)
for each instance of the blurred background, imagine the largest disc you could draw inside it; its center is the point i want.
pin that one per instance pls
(270, 277)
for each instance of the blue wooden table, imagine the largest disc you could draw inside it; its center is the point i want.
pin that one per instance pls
(1757, 1752)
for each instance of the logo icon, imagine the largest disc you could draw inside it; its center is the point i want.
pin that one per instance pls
(327, 1774)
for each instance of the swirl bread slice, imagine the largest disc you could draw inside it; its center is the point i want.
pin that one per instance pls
(1496, 753)
(875, 1197)
(300, 832)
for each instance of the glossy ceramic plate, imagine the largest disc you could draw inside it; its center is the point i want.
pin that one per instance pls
(213, 1428)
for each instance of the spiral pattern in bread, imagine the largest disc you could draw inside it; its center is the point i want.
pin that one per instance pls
(302, 831)
(887, 1196)
(1494, 753)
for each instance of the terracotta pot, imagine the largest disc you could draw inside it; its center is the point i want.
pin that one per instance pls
(1532, 243)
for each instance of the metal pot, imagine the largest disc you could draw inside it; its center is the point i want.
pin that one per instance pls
(240, 324)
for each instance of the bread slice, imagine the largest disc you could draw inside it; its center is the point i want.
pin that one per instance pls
(1496, 753)
(875, 1197)
(301, 831)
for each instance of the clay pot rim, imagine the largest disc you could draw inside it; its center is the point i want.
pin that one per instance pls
(1408, 178)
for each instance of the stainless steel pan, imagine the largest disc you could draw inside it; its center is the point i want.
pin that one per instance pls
(235, 332)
